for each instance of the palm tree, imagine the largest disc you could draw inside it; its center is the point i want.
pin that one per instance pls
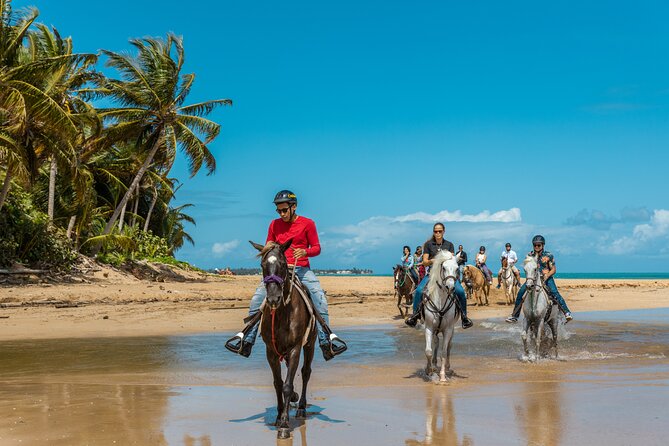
(61, 85)
(151, 94)
(173, 227)
(31, 122)
(13, 29)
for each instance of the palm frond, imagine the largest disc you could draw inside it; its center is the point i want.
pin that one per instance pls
(196, 151)
(203, 108)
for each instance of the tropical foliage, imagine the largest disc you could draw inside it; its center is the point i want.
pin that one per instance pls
(85, 157)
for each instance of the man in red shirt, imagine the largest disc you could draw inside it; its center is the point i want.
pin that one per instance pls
(302, 231)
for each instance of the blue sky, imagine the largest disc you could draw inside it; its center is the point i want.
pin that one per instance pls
(502, 119)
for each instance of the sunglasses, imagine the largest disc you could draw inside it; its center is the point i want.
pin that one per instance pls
(282, 210)
(436, 231)
(538, 244)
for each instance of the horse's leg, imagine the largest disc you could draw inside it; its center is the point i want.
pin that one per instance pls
(428, 347)
(523, 336)
(275, 365)
(540, 334)
(486, 292)
(552, 322)
(435, 349)
(446, 353)
(306, 374)
(399, 301)
(292, 361)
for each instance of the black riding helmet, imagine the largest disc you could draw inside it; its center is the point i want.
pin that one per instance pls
(482, 248)
(539, 239)
(508, 245)
(285, 196)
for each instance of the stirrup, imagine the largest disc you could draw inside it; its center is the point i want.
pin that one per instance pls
(238, 341)
(337, 346)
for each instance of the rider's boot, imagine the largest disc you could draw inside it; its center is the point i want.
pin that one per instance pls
(516, 313)
(499, 281)
(238, 345)
(413, 320)
(567, 314)
(466, 322)
(333, 345)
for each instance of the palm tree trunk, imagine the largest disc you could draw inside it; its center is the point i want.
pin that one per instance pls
(153, 203)
(122, 217)
(52, 188)
(134, 210)
(70, 225)
(5, 187)
(133, 185)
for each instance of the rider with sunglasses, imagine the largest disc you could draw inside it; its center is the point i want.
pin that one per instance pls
(431, 248)
(546, 262)
(302, 231)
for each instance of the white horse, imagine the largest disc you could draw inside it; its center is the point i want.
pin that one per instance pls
(509, 282)
(535, 308)
(441, 312)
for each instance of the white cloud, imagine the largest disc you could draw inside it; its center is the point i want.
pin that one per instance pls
(351, 241)
(221, 249)
(644, 234)
(508, 216)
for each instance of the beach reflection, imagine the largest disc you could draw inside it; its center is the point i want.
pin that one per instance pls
(539, 415)
(440, 421)
(70, 414)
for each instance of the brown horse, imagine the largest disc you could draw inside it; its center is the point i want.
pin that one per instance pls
(287, 327)
(404, 288)
(476, 284)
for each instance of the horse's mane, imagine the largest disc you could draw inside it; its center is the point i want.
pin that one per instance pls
(437, 262)
(267, 248)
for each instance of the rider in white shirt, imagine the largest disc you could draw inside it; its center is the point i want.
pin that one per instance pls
(511, 259)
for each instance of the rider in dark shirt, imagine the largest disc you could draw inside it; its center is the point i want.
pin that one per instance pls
(432, 247)
(546, 263)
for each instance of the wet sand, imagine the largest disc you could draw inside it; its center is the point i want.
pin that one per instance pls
(118, 305)
(609, 388)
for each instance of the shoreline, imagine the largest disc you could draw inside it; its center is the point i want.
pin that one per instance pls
(116, 305)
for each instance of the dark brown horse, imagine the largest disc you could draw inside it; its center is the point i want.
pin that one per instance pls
(287, 327)
(404, 288)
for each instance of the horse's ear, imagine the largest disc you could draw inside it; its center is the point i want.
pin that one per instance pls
(286, 245)
(256, 246)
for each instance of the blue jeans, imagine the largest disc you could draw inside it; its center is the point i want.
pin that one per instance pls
(550, 283)
(308, 278)
(459, 291)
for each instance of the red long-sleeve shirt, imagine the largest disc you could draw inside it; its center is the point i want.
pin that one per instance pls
(304, 235)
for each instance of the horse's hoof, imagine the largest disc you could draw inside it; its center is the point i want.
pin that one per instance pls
(294, 398)
(301, 413)
(283, 433)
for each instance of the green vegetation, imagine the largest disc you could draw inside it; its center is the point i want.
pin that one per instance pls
(85, 158)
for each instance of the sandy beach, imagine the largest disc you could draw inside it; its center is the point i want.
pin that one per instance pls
(114, 304)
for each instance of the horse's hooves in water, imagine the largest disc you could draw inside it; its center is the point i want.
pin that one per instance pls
(294, 398)
(301, 413)
(283, 433)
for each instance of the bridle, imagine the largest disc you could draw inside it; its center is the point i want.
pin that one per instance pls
(448, 302)
(399, 283)
(285, 300)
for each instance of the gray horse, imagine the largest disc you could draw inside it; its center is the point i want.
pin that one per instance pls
(441, 312)
(535, 308)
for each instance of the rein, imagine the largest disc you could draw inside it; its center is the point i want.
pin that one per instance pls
(281, 357)
(273, 278)
(448, 303)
